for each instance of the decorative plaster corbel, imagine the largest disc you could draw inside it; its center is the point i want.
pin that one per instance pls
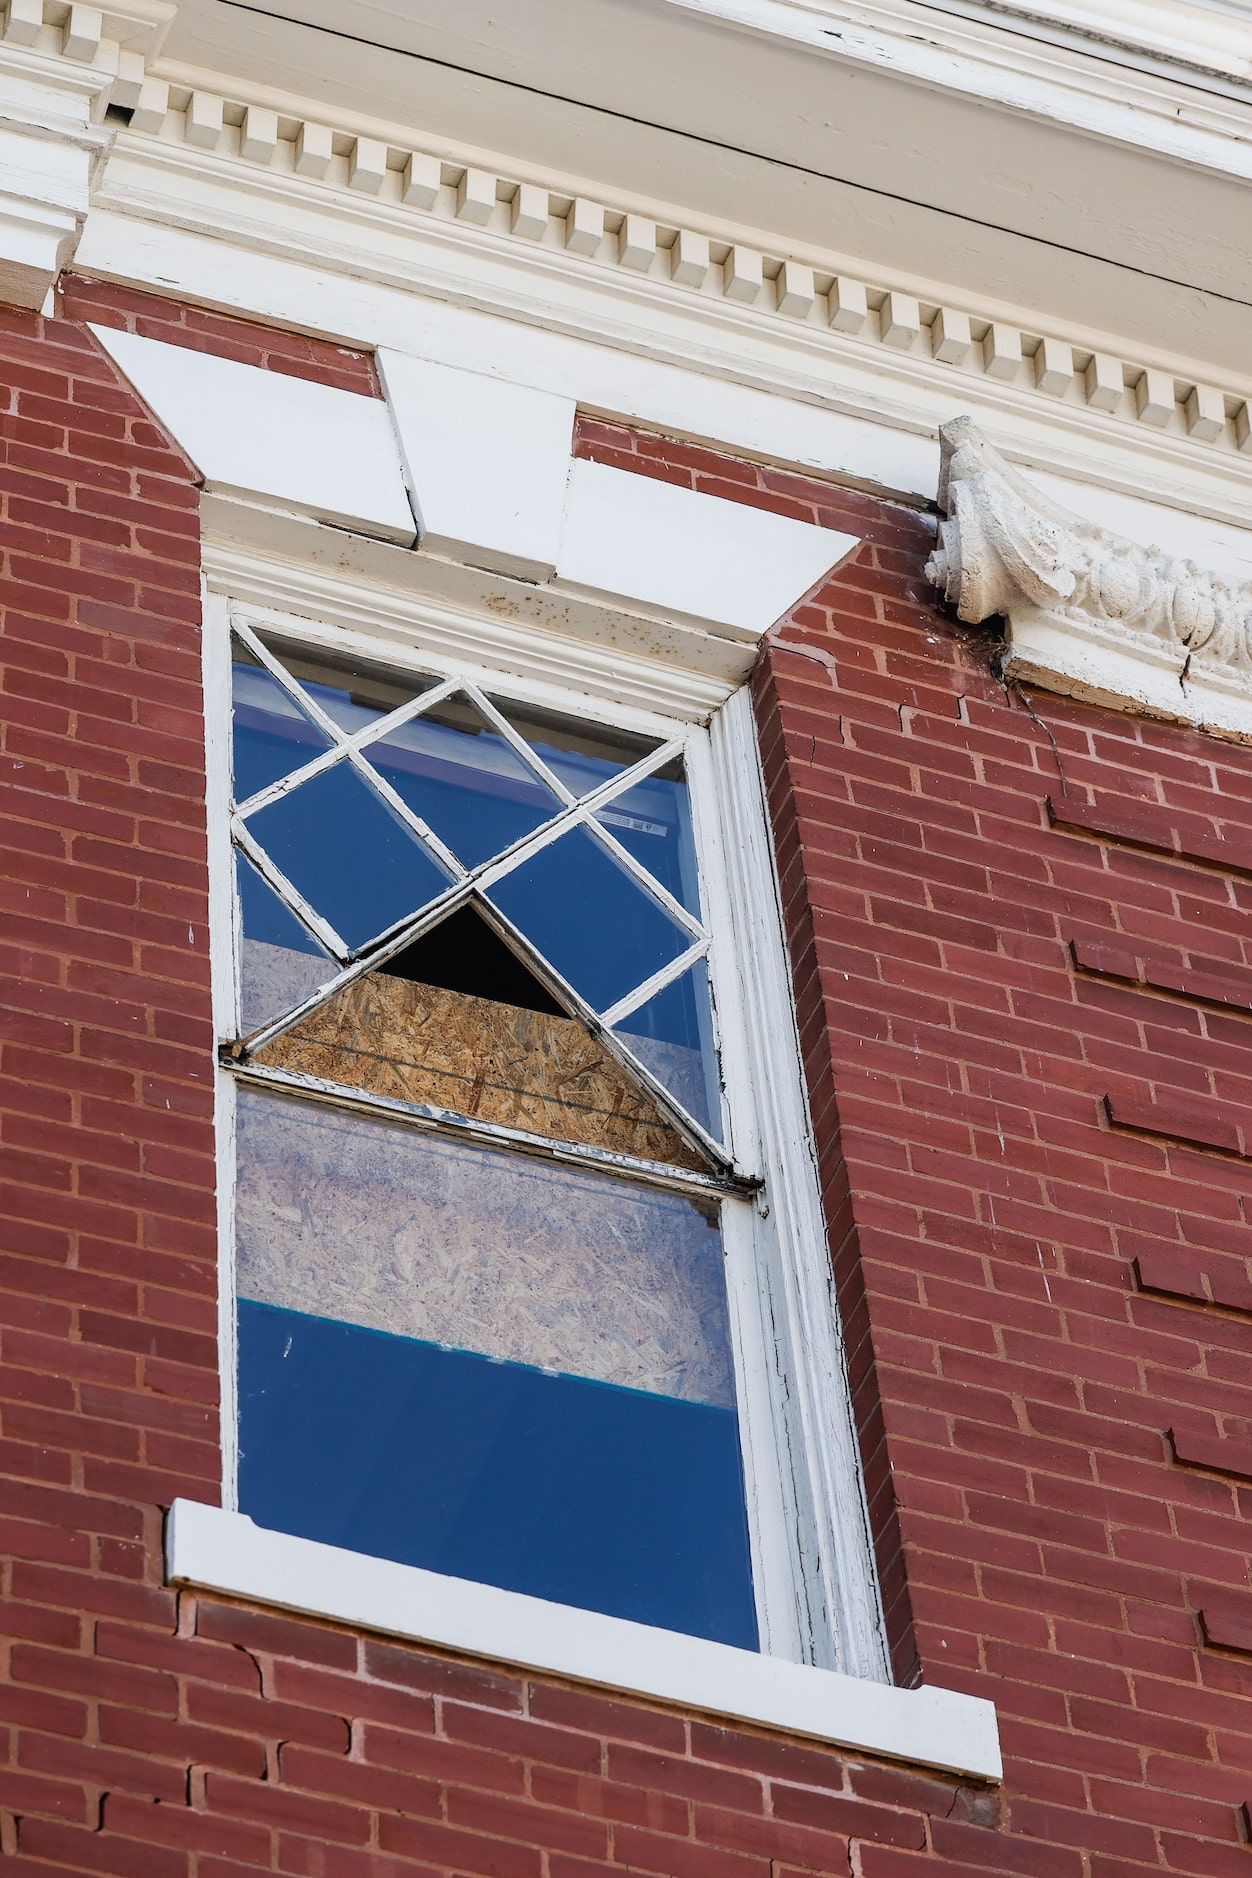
(1088, 613)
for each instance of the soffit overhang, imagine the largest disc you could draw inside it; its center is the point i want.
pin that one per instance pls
(1076, 167)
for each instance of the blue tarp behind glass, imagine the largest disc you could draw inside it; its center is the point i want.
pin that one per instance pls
(566, 1489)
(490, 1366)
(272, 735)
(455, 770)
(348, 853)
(353, 698)
(589, 917)
(281, 962)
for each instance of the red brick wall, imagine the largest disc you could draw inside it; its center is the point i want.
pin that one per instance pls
(1021, 930)
(103, 304)
(1014, 1377)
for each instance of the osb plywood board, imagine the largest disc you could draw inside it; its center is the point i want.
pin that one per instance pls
(526, 1069)
(368, 1222)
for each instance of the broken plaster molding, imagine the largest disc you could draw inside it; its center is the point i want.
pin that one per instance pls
(1088, 613)
(61, 66)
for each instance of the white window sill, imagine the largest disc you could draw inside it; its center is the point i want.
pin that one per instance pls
(227, 1552)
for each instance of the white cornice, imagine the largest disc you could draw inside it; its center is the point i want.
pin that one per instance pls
(1089, 613)
(1202, 42)
(721, 301)
(1163, 82)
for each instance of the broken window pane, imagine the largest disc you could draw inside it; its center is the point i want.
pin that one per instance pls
(497, 1061)
(489, 1366)
(588, 916)
(281, 962)
(464, 953)
(653, 823)
(672, 1035)
(348, 853)
(271, 734)
(454, 770)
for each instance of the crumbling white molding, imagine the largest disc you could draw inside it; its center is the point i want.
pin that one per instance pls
(1088, 613)
(61, 65)
(49, 151)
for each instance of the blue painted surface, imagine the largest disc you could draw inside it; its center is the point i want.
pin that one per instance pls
(611, 1499)
(587, 916)
(272, 736)
(672, 1034)
(470, 787)
(353, 859)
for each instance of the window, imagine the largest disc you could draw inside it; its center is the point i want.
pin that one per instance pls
(512, 1297)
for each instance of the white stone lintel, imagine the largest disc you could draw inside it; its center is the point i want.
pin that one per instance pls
(479, 468)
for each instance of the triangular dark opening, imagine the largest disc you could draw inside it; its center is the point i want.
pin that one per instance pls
(463, 953)
(458, 1021)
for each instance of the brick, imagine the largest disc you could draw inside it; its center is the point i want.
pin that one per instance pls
(1031, 1294)
(278, 1636)
(1194, 1448)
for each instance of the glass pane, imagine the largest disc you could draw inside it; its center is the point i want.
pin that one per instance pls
(672, 1035)
(489, 1366)
(582, 755)
(351, 858)
(653, 823)
(464, 779)
(589, 918)
(272, 735)
(280, 962)
(351, 693)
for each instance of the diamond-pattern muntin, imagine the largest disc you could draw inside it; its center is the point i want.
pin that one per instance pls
(424, 731)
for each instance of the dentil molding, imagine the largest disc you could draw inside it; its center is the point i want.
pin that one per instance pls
(61, 65)
(279, 174)
(1088, 613)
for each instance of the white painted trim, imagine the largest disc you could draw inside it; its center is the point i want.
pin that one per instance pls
(790, 392)
(788, 1310)
(148, 168)
(605, 294)
(486, 463)
(216, 1550)
(687, 553)
(224, 969)
(352, 591)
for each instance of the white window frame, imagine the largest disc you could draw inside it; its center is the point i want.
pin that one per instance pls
(818, 1600)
